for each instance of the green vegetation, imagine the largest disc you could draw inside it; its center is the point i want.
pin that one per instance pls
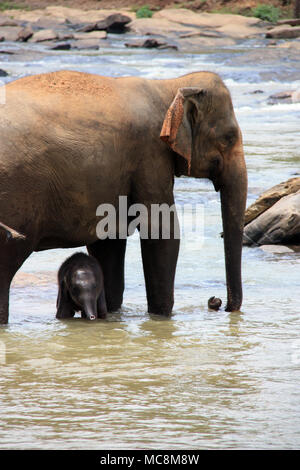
(266, 12)
(144, 12)
(11, 6)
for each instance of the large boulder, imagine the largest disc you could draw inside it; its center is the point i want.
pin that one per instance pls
(278, 225)
(160, 26)
(10, 33)
(44, 35)
(25, 34)
(188, 24)
(116, 23)
(237, 26)
(91, 35)
(7, 21)
(268, 198)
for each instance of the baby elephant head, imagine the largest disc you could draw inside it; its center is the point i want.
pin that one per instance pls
(84, 292)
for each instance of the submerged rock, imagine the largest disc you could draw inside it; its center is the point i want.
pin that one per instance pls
(61, 46)
(214, 303)
(280, 224)
(83, 44)
(151, 43)
(291, 96)
(276, 249)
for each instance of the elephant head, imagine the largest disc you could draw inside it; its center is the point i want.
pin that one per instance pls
(201, 127)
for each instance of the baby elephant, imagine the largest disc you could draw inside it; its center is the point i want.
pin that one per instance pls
(81, 288)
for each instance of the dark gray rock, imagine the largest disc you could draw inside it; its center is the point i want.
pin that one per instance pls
(116, 23)
(214, 303)
(3, 73)
(61, 46)
(151, 43)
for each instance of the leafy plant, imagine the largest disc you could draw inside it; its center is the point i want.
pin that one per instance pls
(144, 12)
(11, 6)
(266, 12)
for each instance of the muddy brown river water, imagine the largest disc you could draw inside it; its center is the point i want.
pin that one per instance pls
(201, 379)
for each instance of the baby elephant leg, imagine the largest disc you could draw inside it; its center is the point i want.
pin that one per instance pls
(101, 305)
(64, 303)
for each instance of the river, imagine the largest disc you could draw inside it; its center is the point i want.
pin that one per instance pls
(201, 379)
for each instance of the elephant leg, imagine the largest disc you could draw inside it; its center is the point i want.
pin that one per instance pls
(4, 297)
(111, 256)
(64, 304)
(159, 263)
(12, 256)
(101, 305)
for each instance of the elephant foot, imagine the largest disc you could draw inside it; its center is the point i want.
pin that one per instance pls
(214, 303)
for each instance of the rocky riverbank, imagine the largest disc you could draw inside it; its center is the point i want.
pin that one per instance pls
(68, 28)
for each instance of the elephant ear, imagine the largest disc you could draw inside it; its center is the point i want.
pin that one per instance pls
(176, 129)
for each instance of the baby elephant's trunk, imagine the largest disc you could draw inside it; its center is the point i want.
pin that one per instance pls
(91, 316)
(90, 309)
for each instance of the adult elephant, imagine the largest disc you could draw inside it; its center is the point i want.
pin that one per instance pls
(71, 141)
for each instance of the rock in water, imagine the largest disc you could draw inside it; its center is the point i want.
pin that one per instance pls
(115, 23)
(61, 46)
(280, 224)
(44, 35)
(25, 34)
(214, 303)
(151, 43)
(284, 32)
(270, 197)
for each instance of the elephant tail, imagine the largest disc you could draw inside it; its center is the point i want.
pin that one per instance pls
(11, 233)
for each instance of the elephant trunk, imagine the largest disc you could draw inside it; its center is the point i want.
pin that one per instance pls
(90, 309)
(233, 203)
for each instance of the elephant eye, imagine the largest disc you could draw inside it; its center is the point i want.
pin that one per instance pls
(230, 138)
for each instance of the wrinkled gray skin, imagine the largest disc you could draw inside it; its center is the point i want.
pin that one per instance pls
(81, 288)
(70, 141)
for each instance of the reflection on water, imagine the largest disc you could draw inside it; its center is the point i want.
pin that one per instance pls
(201, 379)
